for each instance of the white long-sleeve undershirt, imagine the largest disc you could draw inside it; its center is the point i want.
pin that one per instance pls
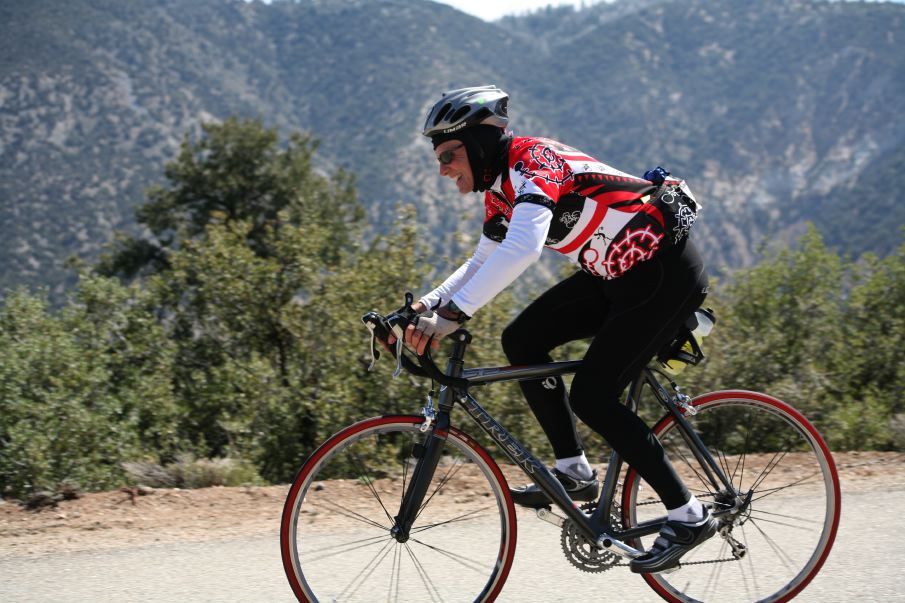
(444, 292)
(494, 266)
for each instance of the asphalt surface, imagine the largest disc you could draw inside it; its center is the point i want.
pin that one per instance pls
(865, 565)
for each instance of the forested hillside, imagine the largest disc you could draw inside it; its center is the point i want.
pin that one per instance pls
(777, 112)
(240, 338)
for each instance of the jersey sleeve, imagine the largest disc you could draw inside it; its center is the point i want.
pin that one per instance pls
(522, 247)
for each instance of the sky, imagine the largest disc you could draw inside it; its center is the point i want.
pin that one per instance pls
(489, 10)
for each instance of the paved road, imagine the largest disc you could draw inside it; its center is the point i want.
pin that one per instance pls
(866, 565)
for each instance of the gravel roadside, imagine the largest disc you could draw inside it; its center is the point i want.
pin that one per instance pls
(120, 520)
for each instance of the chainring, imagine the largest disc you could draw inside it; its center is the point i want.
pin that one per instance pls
(581, 552)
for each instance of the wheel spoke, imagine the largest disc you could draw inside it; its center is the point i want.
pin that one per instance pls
(393, 593)
(450, 473)
(741, 570)
(345, 512)
(462, 560)
(470, 516)
(425, 578)
(769, 491)
(359, 579)
(724, 465)
(694, 469)
(780, 552)
(773, 464)
(339, 549)
(744, 455)
(779, 523)
(750, 558)
(804, 519)
(370, 484)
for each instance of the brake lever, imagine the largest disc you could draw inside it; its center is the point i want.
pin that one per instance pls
(372, 321)
(375, 353)
(398, 370)
(407, 314)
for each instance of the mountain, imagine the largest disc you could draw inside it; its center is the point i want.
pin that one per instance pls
(777, 112)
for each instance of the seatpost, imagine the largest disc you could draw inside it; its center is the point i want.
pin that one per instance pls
(433, 448)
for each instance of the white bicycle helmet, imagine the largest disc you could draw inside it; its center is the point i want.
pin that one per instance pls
(467, 107)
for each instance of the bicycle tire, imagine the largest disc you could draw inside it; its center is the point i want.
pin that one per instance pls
(335, 530)
(794, 534)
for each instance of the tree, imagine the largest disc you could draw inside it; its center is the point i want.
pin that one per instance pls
(81, 391)
(867, 360)
(249, 233)
(236, 172)
(819, 332)
(265, 277)
(774, 324)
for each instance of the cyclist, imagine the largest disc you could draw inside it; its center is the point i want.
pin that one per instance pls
(640, 279)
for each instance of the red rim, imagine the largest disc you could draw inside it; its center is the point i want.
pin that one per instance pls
(632, 476)
(507, 548)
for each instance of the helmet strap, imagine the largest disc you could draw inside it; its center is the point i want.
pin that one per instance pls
(485, 146)
(484, 154)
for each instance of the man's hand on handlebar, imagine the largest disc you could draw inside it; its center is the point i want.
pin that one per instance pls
(417, 330)
(415, 339)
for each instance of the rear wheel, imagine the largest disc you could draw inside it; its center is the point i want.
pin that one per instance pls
(335, 534)
(776, 530)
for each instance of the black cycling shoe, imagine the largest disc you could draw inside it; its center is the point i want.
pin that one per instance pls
(676, 538)
(578, 489)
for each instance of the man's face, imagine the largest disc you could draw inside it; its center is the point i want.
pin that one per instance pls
(454, 164)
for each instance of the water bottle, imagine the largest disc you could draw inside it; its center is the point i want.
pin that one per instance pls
(704, 319)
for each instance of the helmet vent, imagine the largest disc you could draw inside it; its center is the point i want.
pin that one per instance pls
(462, 112)
(443, 111)
(481, 114)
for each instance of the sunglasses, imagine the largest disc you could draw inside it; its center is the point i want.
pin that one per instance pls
(446, 157)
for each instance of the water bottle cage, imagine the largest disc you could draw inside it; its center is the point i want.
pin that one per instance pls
(675, 350)
(685, 348)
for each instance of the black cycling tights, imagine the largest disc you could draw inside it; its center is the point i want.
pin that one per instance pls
(630, 319)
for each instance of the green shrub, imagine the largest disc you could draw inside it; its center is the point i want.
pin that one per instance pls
(189, 472)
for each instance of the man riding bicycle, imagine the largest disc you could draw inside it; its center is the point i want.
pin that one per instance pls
(640, 279)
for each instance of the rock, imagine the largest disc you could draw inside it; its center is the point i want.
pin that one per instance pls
(69, 490)
(42, 499)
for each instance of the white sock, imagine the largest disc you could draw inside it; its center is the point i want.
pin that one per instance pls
(690, 512)
(575, 466)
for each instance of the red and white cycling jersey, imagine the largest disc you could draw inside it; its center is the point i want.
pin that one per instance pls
(554, 196)
(604, 219)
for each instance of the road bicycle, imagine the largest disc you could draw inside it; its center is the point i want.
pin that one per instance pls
(412, 508)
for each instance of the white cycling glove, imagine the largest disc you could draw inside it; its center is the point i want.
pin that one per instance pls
(436, 326)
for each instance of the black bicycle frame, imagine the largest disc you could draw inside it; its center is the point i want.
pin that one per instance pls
(593, 527)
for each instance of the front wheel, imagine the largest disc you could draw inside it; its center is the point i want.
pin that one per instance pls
(776, 528)
(335, 533)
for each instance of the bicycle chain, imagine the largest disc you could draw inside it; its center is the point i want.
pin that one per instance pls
(708, 562)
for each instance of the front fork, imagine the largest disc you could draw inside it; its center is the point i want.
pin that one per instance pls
(428, 454)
